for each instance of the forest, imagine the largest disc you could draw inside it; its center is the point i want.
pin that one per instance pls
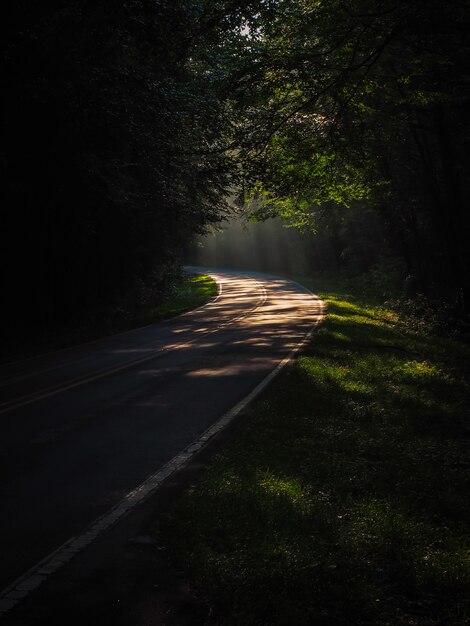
(128, 125)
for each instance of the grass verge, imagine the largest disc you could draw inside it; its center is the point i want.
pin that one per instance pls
(342, 497)
(191, 291)
(188, 292)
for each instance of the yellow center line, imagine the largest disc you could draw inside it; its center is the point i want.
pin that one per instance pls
(16, 403)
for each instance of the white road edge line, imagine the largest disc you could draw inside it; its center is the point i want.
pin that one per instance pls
(39, 573)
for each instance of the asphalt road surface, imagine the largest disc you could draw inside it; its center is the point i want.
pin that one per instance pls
(80, 428)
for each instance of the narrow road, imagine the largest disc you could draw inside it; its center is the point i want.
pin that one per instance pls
(82, 427)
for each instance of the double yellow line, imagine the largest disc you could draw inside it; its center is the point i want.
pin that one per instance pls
(10, 405)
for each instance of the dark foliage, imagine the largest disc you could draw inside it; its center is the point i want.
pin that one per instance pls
(355, 120)
(105, 109)
(126, 122)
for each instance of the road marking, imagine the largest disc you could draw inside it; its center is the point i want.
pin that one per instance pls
(93, 341)
(9, 381)
(39, 573)
(16, 403)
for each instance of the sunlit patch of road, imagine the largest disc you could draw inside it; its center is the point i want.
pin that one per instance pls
(94, 427)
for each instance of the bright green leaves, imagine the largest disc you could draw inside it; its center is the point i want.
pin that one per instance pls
(301, 181)
(362, 101)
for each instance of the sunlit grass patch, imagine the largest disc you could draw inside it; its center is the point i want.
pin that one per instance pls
(189, 292)
(421, 369)
(343, 497)
(333, 374)
(290, 490)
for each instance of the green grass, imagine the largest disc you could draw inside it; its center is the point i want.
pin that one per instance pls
(191, 291)
(343, 495)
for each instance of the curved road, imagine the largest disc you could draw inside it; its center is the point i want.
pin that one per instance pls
(80, 428)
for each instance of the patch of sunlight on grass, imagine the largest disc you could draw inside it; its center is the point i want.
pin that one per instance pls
(334, 317)
(289, 489)
(323, 371)
(388, 316)
(421, 369)
(339, 336)
(351, 309)
(358, 386)
(343, 307)
(351, 320)
(191, 291)
(204, 284)
(329, 373)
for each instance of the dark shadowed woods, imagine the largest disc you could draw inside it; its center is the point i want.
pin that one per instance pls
(127, 124)
(103, 118)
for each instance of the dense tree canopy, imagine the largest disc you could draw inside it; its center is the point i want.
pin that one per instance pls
(127, 122)
(364, 105)
(113, 126)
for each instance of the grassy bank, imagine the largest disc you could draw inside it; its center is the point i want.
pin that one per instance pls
(191, 291)
(343, 496)
(188, 292)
